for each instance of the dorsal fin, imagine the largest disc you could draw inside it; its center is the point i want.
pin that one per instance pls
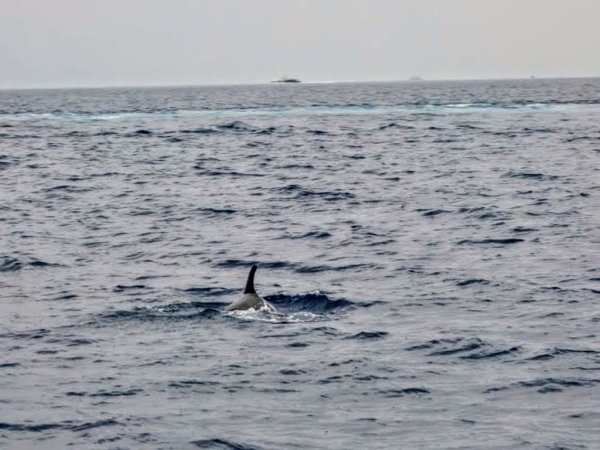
(249, 289)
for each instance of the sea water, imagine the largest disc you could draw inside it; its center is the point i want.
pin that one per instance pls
(432, 249)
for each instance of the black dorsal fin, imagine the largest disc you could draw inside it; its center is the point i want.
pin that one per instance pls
(249, 289)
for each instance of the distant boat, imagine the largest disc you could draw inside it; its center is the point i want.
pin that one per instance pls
(286, 80)
(416, 78)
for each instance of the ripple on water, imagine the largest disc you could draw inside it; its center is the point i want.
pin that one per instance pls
(548, 385)
(8, 264)
(222, 444)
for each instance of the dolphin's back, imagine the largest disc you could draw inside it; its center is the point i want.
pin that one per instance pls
(250, 299)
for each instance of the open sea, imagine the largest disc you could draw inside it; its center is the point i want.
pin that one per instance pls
(433, 249)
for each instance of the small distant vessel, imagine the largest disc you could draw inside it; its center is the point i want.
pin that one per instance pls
(416, 78)
(285, 79)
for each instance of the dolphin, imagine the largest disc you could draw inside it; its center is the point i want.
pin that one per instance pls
(250, 298)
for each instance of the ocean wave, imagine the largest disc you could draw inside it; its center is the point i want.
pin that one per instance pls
(10, 264)
(548, 385)
(65, 425)
(166, 313)
(306, 307)
(296, 267)
(278, 317)
(333, 109)
(222, 444)
(316, 302)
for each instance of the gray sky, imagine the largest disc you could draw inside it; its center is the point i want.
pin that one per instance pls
(148, 42)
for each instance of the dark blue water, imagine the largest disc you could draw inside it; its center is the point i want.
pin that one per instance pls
(433, 249)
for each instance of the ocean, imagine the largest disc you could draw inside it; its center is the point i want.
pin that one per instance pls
(432, 249)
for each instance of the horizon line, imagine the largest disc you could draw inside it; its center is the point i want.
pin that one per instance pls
(190, 85)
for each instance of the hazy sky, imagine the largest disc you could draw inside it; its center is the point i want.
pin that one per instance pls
(147, 42)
